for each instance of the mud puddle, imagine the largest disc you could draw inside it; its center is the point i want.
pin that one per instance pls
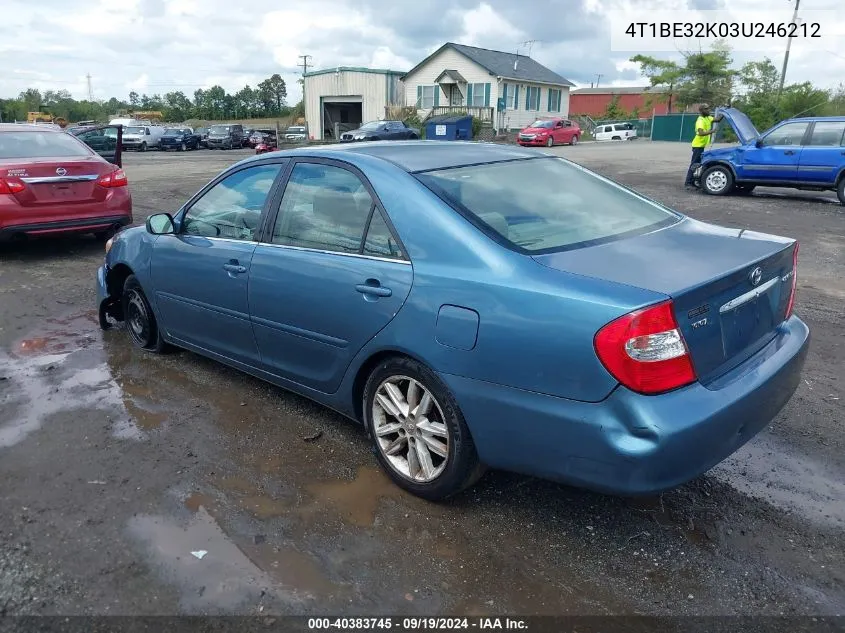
(63, 367)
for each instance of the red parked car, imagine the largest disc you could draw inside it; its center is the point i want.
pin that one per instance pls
(550, 132)
(51, 182)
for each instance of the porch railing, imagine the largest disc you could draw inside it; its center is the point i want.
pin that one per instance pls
(480, 112)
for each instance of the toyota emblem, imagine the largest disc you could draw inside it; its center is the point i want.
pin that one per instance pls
(61, 171)
(755, 276)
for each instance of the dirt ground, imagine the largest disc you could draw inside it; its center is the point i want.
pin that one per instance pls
(117, 466)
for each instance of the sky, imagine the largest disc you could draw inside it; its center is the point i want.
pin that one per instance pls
(159, 46)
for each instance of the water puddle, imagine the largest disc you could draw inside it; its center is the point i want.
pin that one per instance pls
(63, 368)
(794, 482)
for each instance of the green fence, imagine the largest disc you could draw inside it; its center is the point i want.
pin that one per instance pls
(674, 127)
(642, 126)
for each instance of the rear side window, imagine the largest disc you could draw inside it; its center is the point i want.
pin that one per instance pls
(40, 145)
(547, 204)
(828, 134)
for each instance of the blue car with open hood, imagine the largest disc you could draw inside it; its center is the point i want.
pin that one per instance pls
(475, 305)
(806, 153)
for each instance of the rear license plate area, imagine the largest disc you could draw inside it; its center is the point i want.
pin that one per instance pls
(746, 324)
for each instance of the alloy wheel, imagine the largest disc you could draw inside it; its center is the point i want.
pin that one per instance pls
(410, 429)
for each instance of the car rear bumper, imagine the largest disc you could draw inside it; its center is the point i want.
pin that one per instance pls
(61, 227)
(629, 443)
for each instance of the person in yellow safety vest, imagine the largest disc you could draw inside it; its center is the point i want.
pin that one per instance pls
(703, 137)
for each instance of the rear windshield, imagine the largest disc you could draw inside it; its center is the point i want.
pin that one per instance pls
(40, 145)
(547, 204)
(219, 129)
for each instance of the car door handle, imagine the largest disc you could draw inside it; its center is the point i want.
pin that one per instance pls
(789, 152)
(374, 288)
(234, 267)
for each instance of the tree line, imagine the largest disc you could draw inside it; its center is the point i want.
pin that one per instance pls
(267, 99)
(709, 77)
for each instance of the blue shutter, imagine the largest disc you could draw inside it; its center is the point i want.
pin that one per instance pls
(527, 97)
(487, 95)
(469, 94)
(419, 97)
(516, 97)
(549, 101)
(505, 94)
(436, 95)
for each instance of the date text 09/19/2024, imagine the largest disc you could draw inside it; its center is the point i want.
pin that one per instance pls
(417, 624)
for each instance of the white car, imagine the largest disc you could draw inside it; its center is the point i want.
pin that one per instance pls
(142, 137)
(616, 132)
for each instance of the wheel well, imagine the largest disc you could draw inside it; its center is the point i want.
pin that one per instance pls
(840, 177)
(718, 163)
(364, 372)
(116, 278)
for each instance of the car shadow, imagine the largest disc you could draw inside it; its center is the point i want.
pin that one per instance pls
(40, 249)
(797, 195)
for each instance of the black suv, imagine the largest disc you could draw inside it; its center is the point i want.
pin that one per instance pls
(227, 136)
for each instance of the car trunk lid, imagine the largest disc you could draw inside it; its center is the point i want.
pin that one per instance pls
(730, 287)
(51, 181)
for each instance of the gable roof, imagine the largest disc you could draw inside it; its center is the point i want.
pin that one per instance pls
(619, 90)
(501, 64)
(454, 74)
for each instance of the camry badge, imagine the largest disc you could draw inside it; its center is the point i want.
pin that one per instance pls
(755, 276)
(61, 171)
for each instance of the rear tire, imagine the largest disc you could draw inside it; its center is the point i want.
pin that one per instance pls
(139, 318)
(717, 180)
(449, 461)
(574, 140)
(840, 191)
(615, 138)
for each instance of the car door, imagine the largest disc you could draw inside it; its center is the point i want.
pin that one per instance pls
(823, 157)
(200, 274)
(557, 132)
(776, 155)
(328, 275)
(106, 140)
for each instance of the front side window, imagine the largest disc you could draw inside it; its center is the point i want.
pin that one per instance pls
(324, 207)
(232, 208)
(787, 134)
(548, 203)
(828, 134)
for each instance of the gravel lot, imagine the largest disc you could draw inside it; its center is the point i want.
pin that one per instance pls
(116, 465)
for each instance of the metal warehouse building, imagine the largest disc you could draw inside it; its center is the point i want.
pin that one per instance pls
(348, 97)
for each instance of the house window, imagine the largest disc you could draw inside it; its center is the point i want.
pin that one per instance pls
(554, 100)
(532, 98)
(477, 95)
(428, 97)
(511, 96)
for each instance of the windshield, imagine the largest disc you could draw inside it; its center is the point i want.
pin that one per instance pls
(544, 124)
(372, 125)
(175, 132)
(219, 129)
(296, 130)
(40, 145)
(134, 130)
(548, 203)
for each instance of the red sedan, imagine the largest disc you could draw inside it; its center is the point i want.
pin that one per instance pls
(550, 132)
(53, 183)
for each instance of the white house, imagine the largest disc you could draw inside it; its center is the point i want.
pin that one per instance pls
(458, 77)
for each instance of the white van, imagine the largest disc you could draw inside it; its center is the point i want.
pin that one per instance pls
(616, 132)
(142, 137)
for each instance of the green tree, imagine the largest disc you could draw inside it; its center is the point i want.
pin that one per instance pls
(613, 112)
(177, 107)
(274, 93)
(661, 73)
(134, 99)
(32, 99)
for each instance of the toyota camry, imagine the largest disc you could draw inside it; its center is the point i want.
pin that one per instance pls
(572, 329)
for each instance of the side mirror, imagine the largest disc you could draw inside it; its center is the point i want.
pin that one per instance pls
(160, 224)
(758, 143)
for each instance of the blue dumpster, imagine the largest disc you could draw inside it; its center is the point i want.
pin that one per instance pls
(449, 128)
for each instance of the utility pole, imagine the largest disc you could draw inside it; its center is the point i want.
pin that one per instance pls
(598, 79)
(90, 90)
(304, 65)
(786, 54)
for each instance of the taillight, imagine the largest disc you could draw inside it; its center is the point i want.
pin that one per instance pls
(11, 186)
(645, 351)
(791, 303)
(116, 178)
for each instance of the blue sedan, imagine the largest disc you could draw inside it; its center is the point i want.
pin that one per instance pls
(475, 306)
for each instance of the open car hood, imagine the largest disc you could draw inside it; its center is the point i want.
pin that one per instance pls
(741, 124)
